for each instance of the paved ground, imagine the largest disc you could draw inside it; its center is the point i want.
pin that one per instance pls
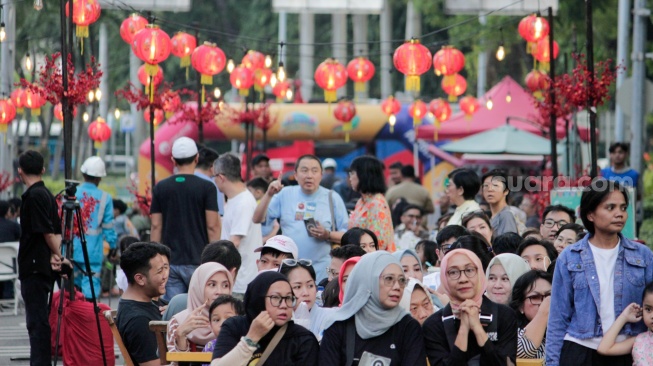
(14, 342)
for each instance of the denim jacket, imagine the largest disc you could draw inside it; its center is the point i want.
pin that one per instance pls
(575, 297)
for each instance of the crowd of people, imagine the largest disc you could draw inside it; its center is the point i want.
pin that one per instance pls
(288, 272)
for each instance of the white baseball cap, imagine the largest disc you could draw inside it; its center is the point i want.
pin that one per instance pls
(184, 147)
(329, 163)
(281, 243)
(94, 167)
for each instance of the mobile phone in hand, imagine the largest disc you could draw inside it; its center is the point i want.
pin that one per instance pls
(310, 224)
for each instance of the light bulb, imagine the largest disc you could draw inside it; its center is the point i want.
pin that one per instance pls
(91, 96)
(392, 120)
(38, 5)
(501, 53)
(85, 117)
(220, 105)
(28, 62)
(217, 93)
(508, 97)
(273, 80)
(268, 61)
(230, 66)
(116, 113)
(98, 94)
(289, 94)
(489, 104)
(281, 72)
(3, 33)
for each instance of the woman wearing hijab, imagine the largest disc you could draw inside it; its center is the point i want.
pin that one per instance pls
(471, 329)
(269, 301)
(412, 266)
(502, 273)
(191, 327)
(417, 301)
(370, 325)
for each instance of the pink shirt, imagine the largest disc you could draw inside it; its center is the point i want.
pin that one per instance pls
(373, 213)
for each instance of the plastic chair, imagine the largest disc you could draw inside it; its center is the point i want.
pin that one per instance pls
(9, 272)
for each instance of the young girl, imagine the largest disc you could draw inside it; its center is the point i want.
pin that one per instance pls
(222, 308)
(641, 344)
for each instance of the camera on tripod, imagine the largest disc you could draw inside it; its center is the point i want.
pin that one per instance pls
(71, 188)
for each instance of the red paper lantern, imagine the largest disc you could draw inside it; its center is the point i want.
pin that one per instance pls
(330, 75)
(417, 110)
(242, 79)
(412, 59)
(532, 29)
(454, 88)
(99, 131)
(253, 60)
(344, 112)
(280, 90)
(469, 105)
(159, 116)
(183, 45)
(58, 112)
(391, 106)
(152, 46)
(542, 53)
(130, 26)
(448, 61)
(85, 13)
(33, 101)
(18, 99)
(360, 70)
(536, 81)
(7, 114)
(144, 78)
(262, 78)
(208, 59)
(441, 111)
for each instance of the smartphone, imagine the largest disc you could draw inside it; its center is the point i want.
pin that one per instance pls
(310, 224)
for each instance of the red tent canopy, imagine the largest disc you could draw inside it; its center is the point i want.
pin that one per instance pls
(520, 108)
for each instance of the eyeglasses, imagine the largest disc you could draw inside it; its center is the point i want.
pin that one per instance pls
(276, 300)
(549, 223)
(390, 281)
(537, 299)
(455, 273)
(446, 248)
(332, 272)
(294, 262)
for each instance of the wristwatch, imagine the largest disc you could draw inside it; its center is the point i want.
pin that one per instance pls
(249, 342)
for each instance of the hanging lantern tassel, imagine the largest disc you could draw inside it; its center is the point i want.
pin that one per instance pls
(416, 121)
(347, 127)
(36, 112)
(330, 96)
(203, 94)
(151, 89)
(359, 87)
(243, 92)
(206, 79)
(545, 67)
(81, 31)
(3, 129)
(436, 127)
(184, 61)
(97, 145)
(412, 83)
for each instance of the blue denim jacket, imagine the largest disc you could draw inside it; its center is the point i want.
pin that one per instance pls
(575, 297)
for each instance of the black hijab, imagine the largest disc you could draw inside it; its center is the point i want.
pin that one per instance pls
(257, 290)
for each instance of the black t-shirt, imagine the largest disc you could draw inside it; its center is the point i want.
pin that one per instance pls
(39, 214)
(9, 230)
(133, 322)
(183, 200)
(403, 344)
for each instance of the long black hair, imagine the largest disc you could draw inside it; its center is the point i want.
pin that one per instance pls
(523, 286)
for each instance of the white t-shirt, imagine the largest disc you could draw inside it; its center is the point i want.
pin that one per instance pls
(605, 261)
(237, 220)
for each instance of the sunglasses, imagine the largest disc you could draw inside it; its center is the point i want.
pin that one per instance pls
(295, 262)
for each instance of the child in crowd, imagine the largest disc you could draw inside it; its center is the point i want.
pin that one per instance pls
(222, 308)
(641, 345)
(258, 186)
(275, 250)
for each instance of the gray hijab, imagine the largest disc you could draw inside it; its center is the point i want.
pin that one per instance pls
(362, 297)
(402, 253)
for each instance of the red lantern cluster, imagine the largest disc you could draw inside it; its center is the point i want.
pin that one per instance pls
(99, 131)
(391, 106)
(537, 82)
(183, 45)
(469, 105)
(412, 59)
(330, 75)
(85, 13)
(131, 26)
(360, 70)
(7, 114)
(454, 88)
(417, 110)
(532, 29)
(209, 60)
(242, 79)
(344, 112)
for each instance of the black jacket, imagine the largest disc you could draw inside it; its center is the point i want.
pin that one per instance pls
(439, 338)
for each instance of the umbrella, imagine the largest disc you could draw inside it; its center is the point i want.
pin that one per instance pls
(506, 139)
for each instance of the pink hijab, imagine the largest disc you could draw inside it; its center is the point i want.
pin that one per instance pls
(348, 263)
(198, 281)
(480, 277)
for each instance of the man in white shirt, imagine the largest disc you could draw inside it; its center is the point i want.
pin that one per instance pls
(237, 225)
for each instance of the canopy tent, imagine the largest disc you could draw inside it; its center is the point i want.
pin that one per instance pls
(506, 139)
(520, 112)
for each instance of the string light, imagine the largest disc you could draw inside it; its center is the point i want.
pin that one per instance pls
(3, 33)
(116, 113)
(289, 94)
(217, 93)
(273, 80)
(38, 5)
(501, 53)
(508, 97)
(489, 104)
(230, 66)
(98, 94)
(392, 120)
(28, 62)
(268, 61)
(91, 96)
(85, 117)
(281, 72)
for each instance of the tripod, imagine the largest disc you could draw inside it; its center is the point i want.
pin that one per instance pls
(71, 215)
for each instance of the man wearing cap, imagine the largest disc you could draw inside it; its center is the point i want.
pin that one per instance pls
(184, 216)
(329, 177)
(99, 229)
(237, 225)
(261, 167)
(305, 213)
(274, 251)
